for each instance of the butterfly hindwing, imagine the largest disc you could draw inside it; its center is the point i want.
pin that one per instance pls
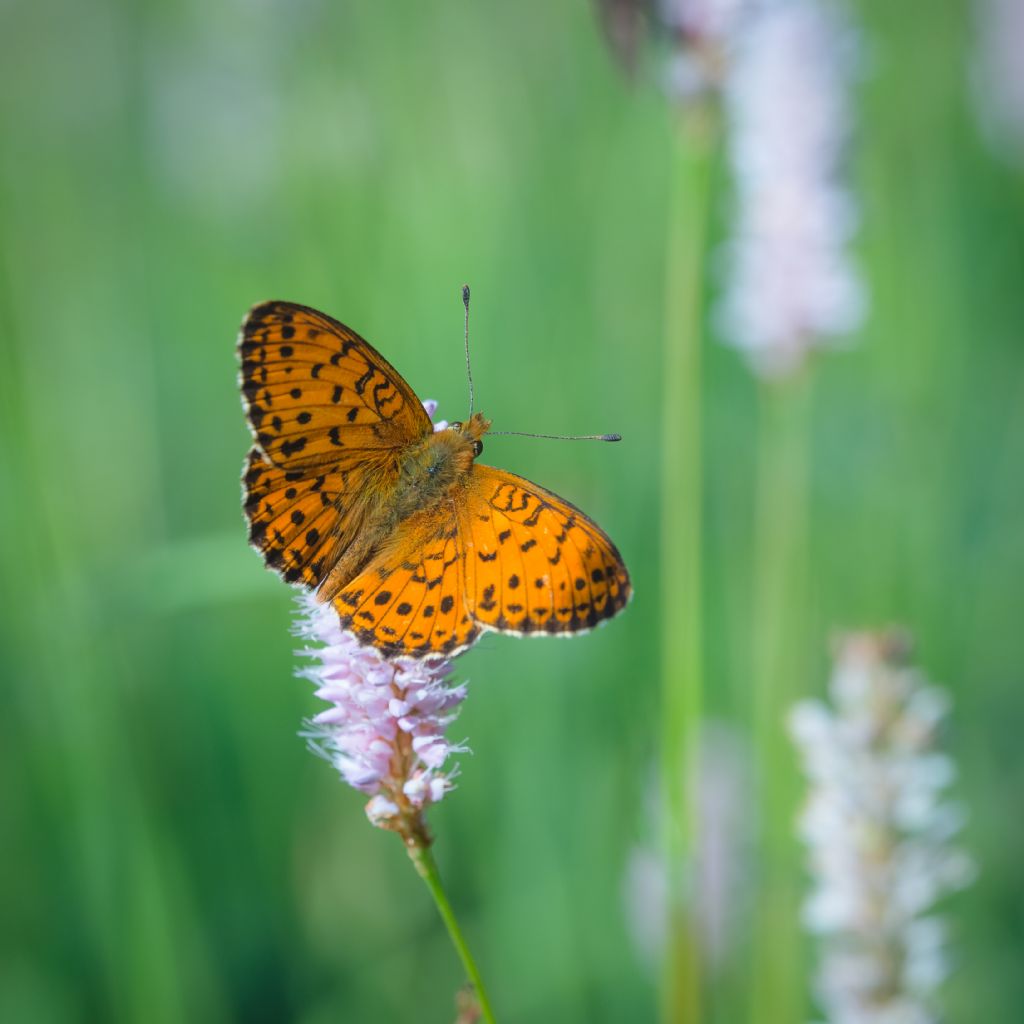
(317, 394)
(293, 518)
(411, 600)
(534, 562)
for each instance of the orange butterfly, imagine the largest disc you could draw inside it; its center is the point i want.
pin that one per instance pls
(349, 490)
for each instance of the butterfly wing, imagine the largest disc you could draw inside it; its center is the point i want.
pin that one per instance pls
(316, 394)
(534, 563)
(297, 521)
(411, 600)
(506, 555)
(328, 414)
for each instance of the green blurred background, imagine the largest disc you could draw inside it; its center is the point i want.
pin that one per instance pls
(171, 850)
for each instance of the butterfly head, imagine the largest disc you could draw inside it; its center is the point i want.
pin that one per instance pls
(473, 431)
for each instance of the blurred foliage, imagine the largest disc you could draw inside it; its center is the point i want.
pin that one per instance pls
(171, 850)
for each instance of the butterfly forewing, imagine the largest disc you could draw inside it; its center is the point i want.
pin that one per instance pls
(328, 413)
(317, 394)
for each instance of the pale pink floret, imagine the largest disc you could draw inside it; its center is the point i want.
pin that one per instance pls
(430, 405)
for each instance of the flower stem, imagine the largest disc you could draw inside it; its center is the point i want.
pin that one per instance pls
(779, 650)
(691, 166)
(418, 849)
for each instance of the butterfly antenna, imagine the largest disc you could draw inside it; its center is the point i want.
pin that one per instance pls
(558, 437)
(469, 370)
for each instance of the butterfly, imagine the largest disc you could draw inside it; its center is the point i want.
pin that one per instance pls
(349, 490)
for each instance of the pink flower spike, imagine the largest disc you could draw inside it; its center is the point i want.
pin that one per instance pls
(384, 728)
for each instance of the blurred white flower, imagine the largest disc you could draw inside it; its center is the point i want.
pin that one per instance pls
(715, 882)
(877, 826)
(997, 74)
(645, 896)
(791, 285)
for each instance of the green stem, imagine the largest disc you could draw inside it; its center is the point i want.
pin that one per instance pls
(691, 167)
(780, 645)
(426, 867)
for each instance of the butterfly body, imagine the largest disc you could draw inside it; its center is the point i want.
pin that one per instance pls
(426, 479)
(350, 491)
(433, 467)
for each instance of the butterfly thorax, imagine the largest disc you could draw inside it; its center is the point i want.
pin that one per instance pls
(433, 467)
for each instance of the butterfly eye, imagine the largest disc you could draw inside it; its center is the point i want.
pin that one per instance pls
(478, 447)
(455, 425)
